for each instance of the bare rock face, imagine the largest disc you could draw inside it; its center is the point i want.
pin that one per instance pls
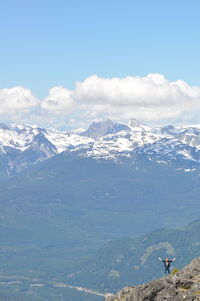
(184, 285)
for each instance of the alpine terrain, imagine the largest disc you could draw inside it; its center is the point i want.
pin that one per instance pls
(25, 145)
(184, 285)
(79, 209)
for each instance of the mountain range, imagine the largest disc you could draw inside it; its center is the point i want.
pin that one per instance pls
(22, 146)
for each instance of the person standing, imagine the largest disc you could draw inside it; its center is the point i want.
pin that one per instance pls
(167, 264)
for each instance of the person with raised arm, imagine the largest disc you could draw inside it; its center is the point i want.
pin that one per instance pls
(167, 264)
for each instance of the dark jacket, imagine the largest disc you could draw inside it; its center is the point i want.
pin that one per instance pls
(167, 263)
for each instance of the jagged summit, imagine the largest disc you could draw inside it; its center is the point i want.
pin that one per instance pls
(184, 285)
(102, 128)
(134, 123)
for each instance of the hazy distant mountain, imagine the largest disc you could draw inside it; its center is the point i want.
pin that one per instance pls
(82, 202)
(129, 261)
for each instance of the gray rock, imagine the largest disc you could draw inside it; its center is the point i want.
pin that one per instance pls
(184, 285)
(100, 129)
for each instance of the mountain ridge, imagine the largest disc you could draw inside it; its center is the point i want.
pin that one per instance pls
(184, 285)
(22, 146)
(132, 261)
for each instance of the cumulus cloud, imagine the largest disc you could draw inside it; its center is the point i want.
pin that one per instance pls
(151, 98)
(16, 99)
(59, 101)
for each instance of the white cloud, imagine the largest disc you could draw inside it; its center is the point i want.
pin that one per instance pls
(59, 101)
(151, 98)
(16, 99)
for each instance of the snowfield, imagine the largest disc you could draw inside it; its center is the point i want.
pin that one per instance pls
(106, 140)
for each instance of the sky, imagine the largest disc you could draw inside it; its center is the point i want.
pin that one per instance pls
(67, 63)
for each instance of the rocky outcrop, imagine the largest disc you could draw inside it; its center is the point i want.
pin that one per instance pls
(184, 285)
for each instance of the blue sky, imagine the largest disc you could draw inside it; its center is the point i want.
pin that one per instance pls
(57, 43)
(48, 43)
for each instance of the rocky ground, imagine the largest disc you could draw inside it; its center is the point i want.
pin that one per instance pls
(184, 285)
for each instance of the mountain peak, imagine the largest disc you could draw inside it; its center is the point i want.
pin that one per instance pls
(134, 123)
(103, 128)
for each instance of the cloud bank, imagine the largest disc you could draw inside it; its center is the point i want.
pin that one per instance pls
(151, 98)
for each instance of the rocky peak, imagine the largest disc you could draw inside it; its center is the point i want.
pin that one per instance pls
(134, 123)
(99, 129)
(184, 285)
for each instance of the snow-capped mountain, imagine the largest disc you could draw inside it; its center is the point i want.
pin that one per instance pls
(25, 145)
